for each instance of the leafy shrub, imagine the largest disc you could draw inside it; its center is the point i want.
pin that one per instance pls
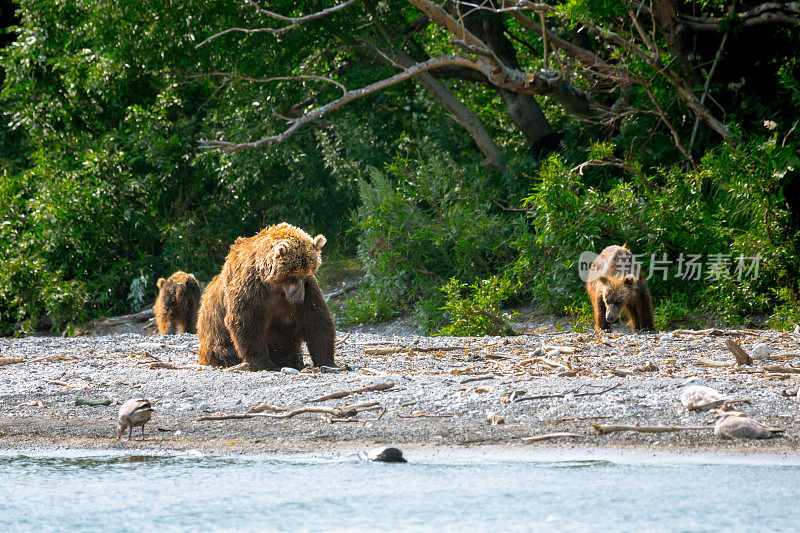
(421, 224)
(479, 312)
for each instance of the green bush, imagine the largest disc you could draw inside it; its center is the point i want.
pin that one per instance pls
(421, 224)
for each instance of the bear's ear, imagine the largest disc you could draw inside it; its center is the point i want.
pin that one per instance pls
(630, 279)
(160, 282)
(605, 281)
(319, 241)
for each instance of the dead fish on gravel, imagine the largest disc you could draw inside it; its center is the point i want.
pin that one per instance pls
(134, 412)
(386, 454)
(734, 425)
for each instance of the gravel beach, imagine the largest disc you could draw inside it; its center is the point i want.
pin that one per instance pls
(436, 391)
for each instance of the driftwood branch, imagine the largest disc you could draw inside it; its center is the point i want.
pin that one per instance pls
(347, 411)
(742, 358)
(575, 393)
(342, 394)
(602, 429)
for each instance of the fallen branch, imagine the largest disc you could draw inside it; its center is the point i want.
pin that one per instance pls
(548, 436)
(342, 394)
(780, 369)
(347, 411)
(477, 378)
(601, 429)
(704, 361)
(339, 342)
(264, 406)
(573, 392)
(384, 351)
(417, 414)
(173, 366)
(544, 361)
(10, 360)
(742, 358)
(437, 349)
(241, 367)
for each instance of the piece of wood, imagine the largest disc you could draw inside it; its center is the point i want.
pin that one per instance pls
(428, 349)
(343, 340)
(342, 394)
(265, 406)
(742, 358)
(10, 360)
(142, 316)
(384, 351)
(602, 429)
(573, 392)
(477, 378)
(548, 436)
(781, 369)
(241, 367)
(418, 414)
(704, 361)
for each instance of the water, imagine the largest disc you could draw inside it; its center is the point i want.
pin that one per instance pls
(85, 491)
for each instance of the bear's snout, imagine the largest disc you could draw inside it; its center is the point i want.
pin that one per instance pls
(296, 292)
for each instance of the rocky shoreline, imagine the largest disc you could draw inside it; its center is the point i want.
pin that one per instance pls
(416, 391)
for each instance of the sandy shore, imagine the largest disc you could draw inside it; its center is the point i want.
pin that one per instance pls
(441, 391)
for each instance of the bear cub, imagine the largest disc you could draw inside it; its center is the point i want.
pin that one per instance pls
(266, 302)
(177, 304)
(615, 283)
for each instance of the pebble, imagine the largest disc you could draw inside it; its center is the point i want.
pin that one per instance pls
(290, 371)
(761, 351)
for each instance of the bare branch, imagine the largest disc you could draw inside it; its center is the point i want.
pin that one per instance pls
(293, 21)
(767, 13)
(274, 78)
(348, 97)
(549, 83)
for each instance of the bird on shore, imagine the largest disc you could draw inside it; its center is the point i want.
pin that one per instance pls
(135, 412)
(386, 454)
(696, 395)
(735, 425)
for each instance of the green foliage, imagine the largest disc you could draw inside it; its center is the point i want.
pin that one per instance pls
(717, 212)
(422, 223)
(479, 311)
(103, 187)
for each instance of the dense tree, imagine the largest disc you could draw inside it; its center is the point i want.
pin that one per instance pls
(614, 113)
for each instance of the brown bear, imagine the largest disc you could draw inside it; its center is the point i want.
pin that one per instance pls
(615, 282)
(266, 302)
(177, 304)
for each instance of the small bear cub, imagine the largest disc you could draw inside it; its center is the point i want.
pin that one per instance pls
(615, 283)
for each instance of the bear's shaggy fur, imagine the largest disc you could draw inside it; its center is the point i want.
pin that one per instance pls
(177, 304)
(266, 302)
(615, 283)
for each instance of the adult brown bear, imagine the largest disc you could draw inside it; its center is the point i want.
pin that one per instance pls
(615, 283)
(266, 302)
(177, 304)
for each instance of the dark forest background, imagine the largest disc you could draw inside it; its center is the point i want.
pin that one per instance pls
(531, 133)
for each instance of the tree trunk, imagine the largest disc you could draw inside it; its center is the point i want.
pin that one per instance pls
(462, 114)
(522, 109)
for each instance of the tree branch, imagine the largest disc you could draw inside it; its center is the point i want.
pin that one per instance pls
(293, 21)
(274, 78)
(348, 97)
(767, 13)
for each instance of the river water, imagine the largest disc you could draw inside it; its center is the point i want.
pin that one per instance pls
(108, 491)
